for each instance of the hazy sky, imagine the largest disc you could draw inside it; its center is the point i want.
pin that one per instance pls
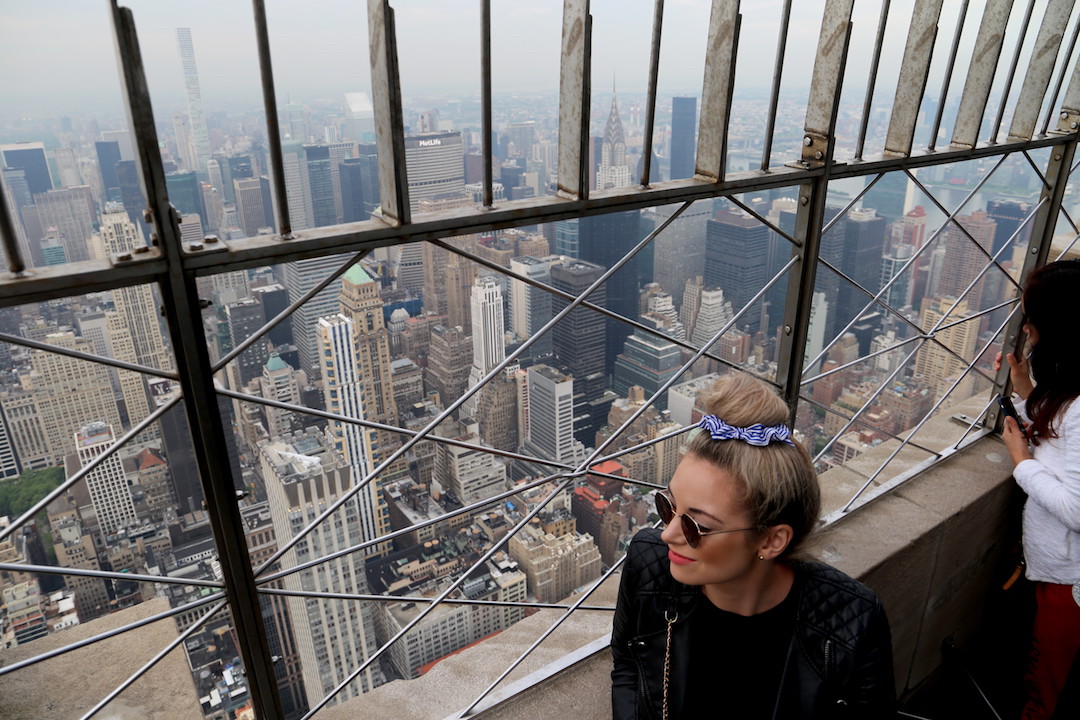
(57, 55)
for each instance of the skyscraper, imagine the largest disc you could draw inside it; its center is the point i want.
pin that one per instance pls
(359, 178)
(435, 166)
(199, 137)
(107, 483)
(299, 277)
(359, 117)
(249, 205)
(551, 416)
(579, 339)
(108, 154)
(303, 477)
(530, 307)
(30, 156)
(614, 171)
(489, 347)
(320, 185)
(71, 211)
(965, 258)
(185, 192)
(683, 136)
(646, 361)
(736, 260)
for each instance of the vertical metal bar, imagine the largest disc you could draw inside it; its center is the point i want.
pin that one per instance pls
(871, 82)
(947, 80)
(273, 130)
(911, 84)
(181, 303)
(828, 68)
(1069, 117)
(716, 91)
(981, 71)
(774, 96)
(650, 112)
(389, 120)
(1051, 108)
(1012, 70)
(12, 253)
(1040, 67)
(574, 83)
(485, 98)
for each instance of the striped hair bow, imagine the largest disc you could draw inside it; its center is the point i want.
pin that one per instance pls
(760, 435)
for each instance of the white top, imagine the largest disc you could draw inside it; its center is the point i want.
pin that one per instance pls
(1052, 511)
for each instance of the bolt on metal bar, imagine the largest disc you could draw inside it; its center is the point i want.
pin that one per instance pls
(315, 412)
(496, 546)
(717, 87)
(1024, 25)
(108, 574)
(486, 126)
(764, 221)
(774, 94)
(914, 71)
(574, 90)
(389, 119)
(89, 357)
(87, 468)
(9, 241)
(545, 635)
(650, 110)
(425, 599)
(914, 431)
(293, 306)
(946, 81)
(154, 661)
(494, 372)
(871, 81)
(1050, 108)
(825, 83)
(273, 129)
(1040, 67)
(172, 612)
(981, 71)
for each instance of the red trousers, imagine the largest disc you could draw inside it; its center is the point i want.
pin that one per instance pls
(1055, 643)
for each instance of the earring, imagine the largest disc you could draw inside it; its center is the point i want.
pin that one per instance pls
(760, 557)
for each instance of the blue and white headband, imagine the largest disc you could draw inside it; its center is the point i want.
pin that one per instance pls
(760, 435)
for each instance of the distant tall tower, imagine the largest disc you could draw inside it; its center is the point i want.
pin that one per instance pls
(683, 130)
(489, 348)
(299, 277)
(199, 137)
(736, 259)
(107, 483)
(30, 156)
(530, 307)
(551, 416)
(938, 367)
(614, 170)
(579, 339)
(964, 260)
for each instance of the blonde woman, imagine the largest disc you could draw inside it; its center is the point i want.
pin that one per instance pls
(715, 618)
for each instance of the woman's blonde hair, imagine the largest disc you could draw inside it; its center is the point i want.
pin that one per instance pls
(778, 480)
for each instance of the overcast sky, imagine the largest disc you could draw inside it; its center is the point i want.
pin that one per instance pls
(57, 55)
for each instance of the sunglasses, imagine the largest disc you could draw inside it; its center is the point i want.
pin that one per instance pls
(693, 533)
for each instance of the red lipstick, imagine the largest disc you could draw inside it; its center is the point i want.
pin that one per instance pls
(678, 559)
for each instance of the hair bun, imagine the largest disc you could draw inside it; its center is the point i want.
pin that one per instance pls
(742, 399)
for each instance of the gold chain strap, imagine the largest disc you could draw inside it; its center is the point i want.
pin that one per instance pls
(667, 659)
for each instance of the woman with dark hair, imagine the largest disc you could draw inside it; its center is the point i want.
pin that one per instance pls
(1046, 453)
(714, 617)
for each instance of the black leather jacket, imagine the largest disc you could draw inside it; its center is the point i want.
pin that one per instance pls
(839, 663)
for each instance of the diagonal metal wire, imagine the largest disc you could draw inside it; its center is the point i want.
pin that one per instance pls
(494, 372)
(910, 262)
(172, 612)
(847, 208)
(1046, 186)
(858, 421)
(425, 599)
(88, 468)
(153, 661)
(108, 575)
(89, 357)
(273, 322)
(764, 221)
(914, 431)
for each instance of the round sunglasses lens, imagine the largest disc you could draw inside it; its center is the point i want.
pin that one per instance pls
(664, 508)
(690, 532)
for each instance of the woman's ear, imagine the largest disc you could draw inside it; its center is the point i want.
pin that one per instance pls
(776, 540)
